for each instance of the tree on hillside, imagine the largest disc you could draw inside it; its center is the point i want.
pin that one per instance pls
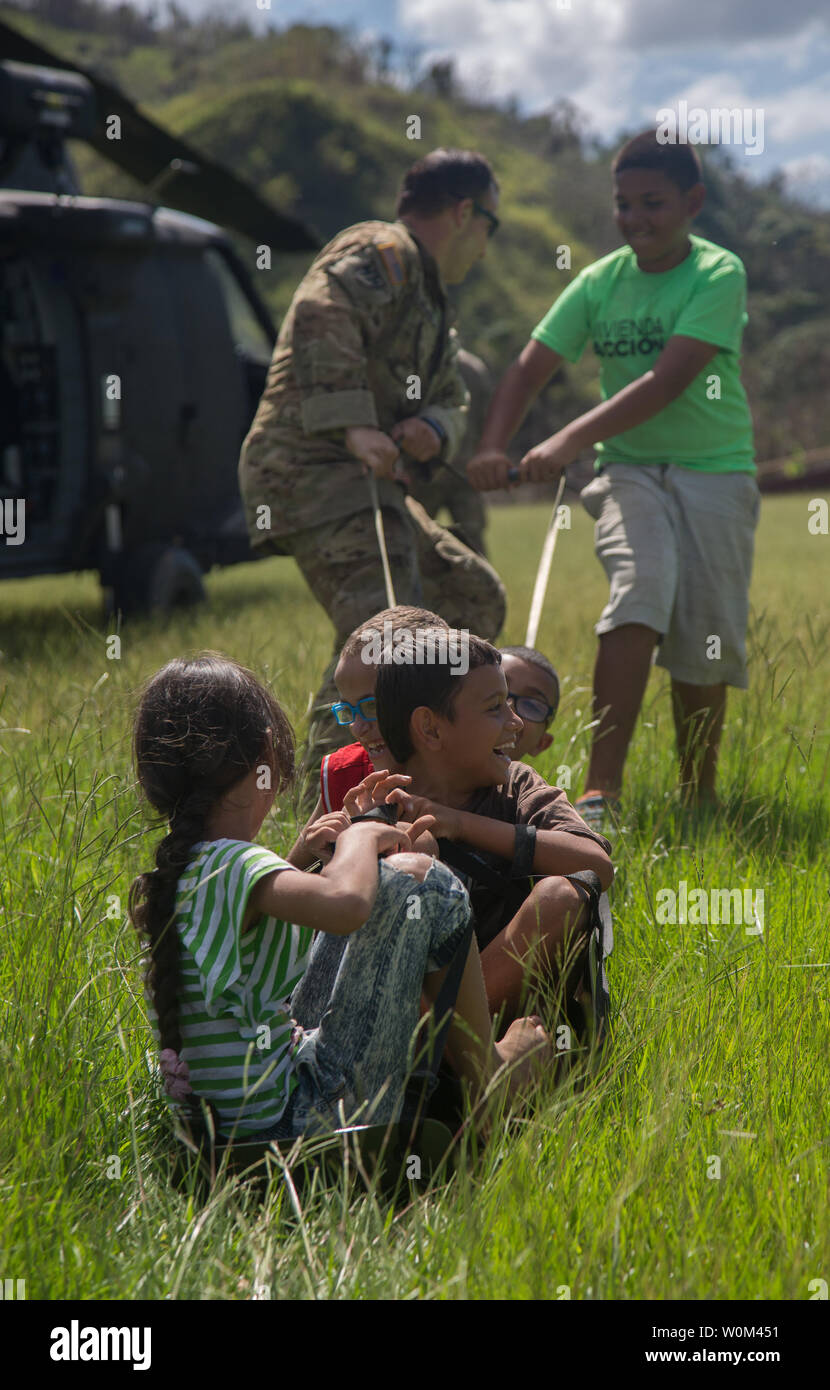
(124, 21)
(440, 80)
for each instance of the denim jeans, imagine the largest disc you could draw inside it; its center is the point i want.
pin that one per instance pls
(358, 1003)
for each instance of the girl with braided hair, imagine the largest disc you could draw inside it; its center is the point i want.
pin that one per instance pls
(252, 1016)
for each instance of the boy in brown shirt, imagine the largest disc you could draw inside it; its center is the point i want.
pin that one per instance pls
(455, 735)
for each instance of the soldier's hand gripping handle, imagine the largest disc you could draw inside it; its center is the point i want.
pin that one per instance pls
(490, 469)
(417, 438)
(375, 450)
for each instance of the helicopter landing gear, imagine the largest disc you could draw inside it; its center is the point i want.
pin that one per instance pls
(153, 579)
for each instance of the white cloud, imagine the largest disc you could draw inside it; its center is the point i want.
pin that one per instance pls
(533, 50)
(804, 48)
(530, 49)
(802, 111)
(790, 115)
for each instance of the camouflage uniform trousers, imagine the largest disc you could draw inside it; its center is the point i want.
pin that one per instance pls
(340, 562)
(464, 504)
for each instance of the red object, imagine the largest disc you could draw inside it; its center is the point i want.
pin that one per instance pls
(342, 770)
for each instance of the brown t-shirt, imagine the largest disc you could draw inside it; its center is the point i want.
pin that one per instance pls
(527, 799)
(524, 799)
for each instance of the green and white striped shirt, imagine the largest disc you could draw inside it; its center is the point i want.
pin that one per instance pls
(233, 1001)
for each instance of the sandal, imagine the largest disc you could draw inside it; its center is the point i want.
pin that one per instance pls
(599, 811)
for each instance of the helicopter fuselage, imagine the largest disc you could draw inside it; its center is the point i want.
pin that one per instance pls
(133, 351)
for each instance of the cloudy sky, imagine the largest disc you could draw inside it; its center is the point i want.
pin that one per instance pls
(621, 61)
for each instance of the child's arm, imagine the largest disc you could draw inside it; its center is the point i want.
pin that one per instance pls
(338, 900)
(557, 851)
(514, 395)
(300, 853)
(681, 360)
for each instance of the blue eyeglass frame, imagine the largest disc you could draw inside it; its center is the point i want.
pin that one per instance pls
(355, 710)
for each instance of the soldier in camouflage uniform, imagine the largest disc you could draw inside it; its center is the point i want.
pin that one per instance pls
(435, 485)
(365, 367)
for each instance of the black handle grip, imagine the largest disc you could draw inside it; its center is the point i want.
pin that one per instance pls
(387, 812)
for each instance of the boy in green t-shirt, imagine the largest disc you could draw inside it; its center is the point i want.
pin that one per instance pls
(675, 499)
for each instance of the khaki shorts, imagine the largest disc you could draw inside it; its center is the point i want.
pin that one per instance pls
(677, 547)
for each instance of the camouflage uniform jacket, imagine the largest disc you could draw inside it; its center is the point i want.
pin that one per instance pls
(370, 315)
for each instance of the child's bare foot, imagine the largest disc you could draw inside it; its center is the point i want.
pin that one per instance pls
(525, 1048)
(523, 1053)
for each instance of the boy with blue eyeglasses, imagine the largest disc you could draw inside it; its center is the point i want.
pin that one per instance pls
(343, 769)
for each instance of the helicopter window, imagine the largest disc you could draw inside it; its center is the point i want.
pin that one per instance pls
(249, 337)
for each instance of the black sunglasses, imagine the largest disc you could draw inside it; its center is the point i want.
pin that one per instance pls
(528, 708)
(491, 218)
(482, 212)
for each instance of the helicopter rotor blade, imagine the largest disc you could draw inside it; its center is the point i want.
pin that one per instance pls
(190, 181)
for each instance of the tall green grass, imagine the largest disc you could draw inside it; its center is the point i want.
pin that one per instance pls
(720, 1044)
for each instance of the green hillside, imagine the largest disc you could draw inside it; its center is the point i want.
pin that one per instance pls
(317, 124)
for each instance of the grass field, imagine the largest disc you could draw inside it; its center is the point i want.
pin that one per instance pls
(720, 1059)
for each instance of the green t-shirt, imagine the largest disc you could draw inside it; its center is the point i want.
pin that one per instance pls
(630, 315)
(234, 990)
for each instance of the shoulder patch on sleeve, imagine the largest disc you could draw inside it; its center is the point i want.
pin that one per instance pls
(364, 274)
(390, 259)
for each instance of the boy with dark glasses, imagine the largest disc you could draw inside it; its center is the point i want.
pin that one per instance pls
(533, 692)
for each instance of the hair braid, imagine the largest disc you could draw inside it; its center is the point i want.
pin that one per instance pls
(153, 902)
